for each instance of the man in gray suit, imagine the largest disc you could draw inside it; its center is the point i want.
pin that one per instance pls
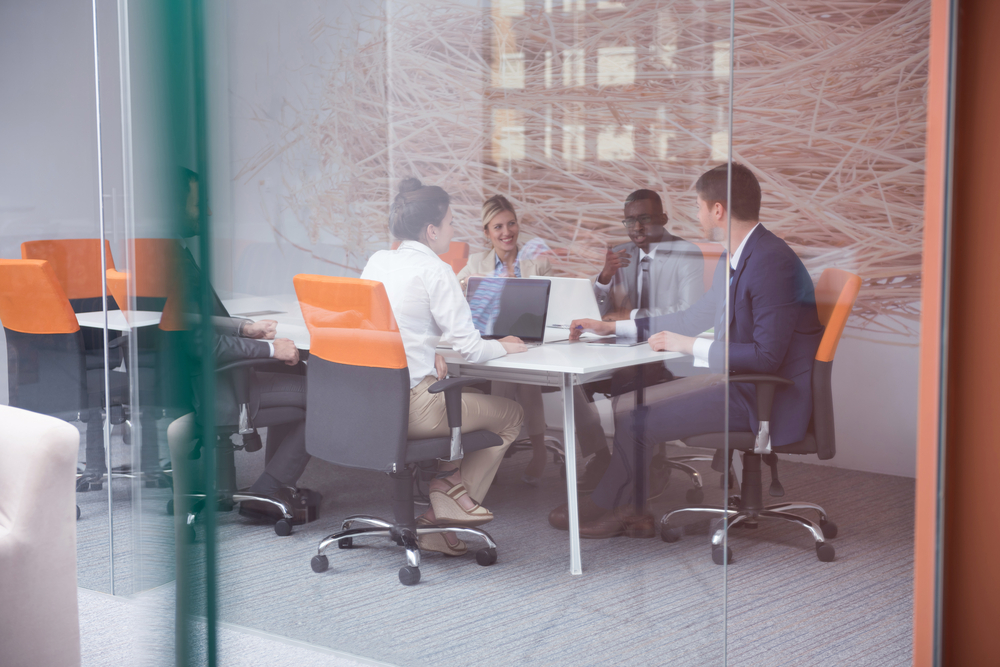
(656, 273)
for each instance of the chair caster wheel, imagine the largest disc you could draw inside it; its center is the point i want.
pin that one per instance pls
(695, 496)
(77, 512)
(345, 543)
(671, 533)
(486, 556)
(283, 528)
(170, 507)
(722, 555)
(319, 563)
(825, 552)
(409, 575)
(829, 529)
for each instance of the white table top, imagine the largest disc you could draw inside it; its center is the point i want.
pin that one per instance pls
(284, 309)
(119, 320)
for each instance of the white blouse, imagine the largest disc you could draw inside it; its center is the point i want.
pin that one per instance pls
(429, 306)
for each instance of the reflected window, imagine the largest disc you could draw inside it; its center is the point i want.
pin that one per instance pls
(616, 65)
(720, 60)
(574, 5)
(720, 146)
(574, 143)
(508, 7)
(667, 32)
(510, 73)
(508, 135)
(573, 67)
(614, 142)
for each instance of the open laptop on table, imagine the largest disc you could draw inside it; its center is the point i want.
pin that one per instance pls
(509, 307)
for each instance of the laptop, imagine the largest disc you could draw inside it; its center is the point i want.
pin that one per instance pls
(571, 299)
(509, 307)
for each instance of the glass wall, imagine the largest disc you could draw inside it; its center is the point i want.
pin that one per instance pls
(728, 447)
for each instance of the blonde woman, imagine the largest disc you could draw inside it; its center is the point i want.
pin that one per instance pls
(506, 258)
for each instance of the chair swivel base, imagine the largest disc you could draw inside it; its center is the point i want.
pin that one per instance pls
(372, 526)
(739, 515)
(291, 515)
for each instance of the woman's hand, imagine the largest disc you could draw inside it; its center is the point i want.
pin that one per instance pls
(668, 341)
(577, 327)
(441, 366)
(513, 344)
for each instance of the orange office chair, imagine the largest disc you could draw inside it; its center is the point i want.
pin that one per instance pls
(357, 415)
(76, 264)
(457, 255)
(49, 370)
(836, 292)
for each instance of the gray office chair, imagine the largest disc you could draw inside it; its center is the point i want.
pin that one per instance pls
(357, 414)
(836, 292)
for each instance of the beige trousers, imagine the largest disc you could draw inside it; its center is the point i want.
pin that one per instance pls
(429, 419)
(589, 431)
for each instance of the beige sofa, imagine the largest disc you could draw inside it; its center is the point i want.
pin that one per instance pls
(39, 623)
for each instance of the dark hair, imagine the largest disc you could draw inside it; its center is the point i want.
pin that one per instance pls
(711, 187)
(415, 207)
(639, 195)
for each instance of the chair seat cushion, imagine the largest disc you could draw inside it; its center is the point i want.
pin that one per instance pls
(744, 440)
(440, 448)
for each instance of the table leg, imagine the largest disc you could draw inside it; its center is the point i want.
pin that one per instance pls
(569, 449)
(638, 457)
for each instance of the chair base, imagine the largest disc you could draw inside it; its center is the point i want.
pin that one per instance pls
(405, 537)
(696, 495)
(226, 502)
(736, 515)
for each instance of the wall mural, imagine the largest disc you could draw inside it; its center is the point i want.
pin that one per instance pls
(566, 106)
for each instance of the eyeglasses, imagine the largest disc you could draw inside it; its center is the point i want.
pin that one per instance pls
(644, 220)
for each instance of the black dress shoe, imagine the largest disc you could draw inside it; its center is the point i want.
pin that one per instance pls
(587, 510)
(90, 480)
(301, 503)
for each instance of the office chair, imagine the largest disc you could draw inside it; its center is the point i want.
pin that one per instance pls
(358, 411)
(227, 493)
(457, 255)
(836, 292)
(49, 369)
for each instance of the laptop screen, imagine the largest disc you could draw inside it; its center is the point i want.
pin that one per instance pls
(509, 307)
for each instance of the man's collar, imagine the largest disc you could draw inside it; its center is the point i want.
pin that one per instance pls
(734, 259)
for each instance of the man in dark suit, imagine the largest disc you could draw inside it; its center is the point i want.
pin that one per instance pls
(773, 328)
(277, 401)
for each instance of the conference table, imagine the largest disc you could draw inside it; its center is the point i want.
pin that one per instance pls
(557, 363)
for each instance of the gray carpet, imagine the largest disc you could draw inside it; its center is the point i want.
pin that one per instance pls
(639, 602)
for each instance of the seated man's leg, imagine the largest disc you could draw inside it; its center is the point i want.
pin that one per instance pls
(674, 417)
(280, 399)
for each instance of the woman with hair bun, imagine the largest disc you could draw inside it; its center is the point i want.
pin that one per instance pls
(428, 304)
(506, 258)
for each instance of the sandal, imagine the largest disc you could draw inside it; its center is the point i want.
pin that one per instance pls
(447, 509)
(437, 541)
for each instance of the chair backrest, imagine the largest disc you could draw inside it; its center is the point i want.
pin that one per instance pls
(155, 264)
(457, 255)
(836, 293)
(358, 383)
(75, 262)
(711, 252)
(46, 369)
(32, 300)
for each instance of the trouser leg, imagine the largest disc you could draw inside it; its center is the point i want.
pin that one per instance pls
(672, 418)
(589, 431)
(281, 399)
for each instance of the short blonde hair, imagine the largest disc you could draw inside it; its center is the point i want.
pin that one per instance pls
(495, 205)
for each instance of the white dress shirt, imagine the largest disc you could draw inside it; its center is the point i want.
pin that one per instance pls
(428, 305)
(703, 346)
(638, 288)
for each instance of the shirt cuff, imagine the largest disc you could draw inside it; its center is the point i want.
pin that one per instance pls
(634, 312)
(626, 328)
(270, 345)
(702, 348)
(604, 288)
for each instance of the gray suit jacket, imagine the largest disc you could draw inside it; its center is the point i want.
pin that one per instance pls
(676, 276)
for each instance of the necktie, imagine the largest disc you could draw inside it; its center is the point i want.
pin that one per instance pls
(644, 287)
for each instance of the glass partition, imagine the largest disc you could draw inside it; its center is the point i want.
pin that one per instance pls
(840, 158)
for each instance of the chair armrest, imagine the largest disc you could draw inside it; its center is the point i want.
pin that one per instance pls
(452, 388)
(765, 385)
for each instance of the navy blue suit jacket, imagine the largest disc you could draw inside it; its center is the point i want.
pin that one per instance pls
(774, 329)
